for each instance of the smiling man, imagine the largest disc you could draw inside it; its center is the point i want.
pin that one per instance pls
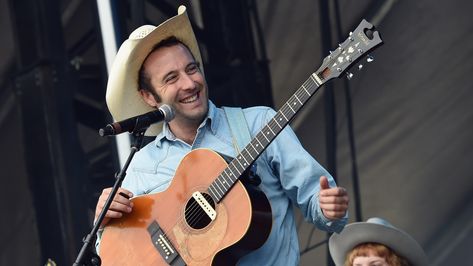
(163, 65)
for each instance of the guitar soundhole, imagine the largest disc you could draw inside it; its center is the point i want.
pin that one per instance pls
(195, 215)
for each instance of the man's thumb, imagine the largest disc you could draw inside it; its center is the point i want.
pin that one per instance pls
(323, 182)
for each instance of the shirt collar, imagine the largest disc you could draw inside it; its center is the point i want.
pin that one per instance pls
(211, 119)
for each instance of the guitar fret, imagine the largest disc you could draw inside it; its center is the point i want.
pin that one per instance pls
(265, 137)
(244, 159)
(314, 80)
(243, 168)
(252, 152)
(313, 85)
(291, 108)
(284, 116)
(305, 89)
(261, 145)
(223, 184)
(295, 96)
(294, 104)
(230, 183)
(274, 128)
(233, 177)
(216, 190)
(301, 98)
(280, 127)
(219, 188)
(249, 153)
(211, 191)
(252, 146)
(269, 126)
(301, 95)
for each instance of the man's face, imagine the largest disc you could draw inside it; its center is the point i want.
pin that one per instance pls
(177, 81)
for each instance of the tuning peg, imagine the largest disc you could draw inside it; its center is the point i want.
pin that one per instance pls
(369, 59)
(350, 36)
(360, 66)
(349, 75)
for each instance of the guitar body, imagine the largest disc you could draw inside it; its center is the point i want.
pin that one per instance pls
(242, 222)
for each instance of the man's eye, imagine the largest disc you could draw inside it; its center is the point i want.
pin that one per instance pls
(191, 69)
(170, 79)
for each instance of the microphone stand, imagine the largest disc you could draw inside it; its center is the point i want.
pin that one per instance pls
(87, 256)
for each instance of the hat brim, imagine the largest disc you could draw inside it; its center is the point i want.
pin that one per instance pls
(122, 96)
(363, 232)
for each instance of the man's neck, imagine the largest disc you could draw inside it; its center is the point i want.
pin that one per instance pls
(187, 132)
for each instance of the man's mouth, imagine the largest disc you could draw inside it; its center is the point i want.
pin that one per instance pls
(191, 98)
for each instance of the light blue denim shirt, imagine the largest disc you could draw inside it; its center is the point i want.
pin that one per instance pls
(288, 172)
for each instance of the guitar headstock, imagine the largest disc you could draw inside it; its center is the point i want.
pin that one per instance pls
(361, 41)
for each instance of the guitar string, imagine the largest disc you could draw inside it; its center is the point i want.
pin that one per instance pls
(194, 215)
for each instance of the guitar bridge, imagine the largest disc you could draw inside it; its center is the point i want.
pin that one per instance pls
(164, 246)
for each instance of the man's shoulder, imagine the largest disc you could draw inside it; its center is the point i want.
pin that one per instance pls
(258, 109)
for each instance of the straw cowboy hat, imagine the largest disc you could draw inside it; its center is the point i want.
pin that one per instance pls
(379, 231)
(123, 99)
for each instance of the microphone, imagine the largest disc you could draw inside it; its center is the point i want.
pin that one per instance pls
(133, 124)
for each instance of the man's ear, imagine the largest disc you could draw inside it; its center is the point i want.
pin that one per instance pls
(148, 97)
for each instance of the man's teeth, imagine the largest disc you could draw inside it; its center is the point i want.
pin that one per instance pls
(190, 99)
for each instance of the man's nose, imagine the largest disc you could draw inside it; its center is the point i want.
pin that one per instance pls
(187, 82)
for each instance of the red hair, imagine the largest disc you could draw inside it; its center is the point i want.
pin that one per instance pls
(370, 249)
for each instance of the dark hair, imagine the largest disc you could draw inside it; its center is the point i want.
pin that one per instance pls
(144, 81)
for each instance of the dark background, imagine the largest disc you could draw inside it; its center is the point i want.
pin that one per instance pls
(398, 136)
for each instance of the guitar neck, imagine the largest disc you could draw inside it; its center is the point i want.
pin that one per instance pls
(362, 40)
(224, 182)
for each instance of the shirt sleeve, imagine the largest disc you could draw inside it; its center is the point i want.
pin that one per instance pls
(299, 175)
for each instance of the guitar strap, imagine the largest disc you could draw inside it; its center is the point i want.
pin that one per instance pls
(238, 127)
(241, 137)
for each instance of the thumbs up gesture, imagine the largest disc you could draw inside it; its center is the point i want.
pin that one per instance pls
(333, 201)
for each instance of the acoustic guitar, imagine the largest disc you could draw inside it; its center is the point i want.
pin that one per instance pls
(208, 216)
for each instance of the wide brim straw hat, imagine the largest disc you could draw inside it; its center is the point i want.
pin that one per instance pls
(376, 230)
(122, 96)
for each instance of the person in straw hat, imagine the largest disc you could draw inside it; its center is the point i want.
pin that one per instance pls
(163, 65)
(375, 243)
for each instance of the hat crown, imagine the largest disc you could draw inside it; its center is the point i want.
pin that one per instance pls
(141, 32)
(380, 221)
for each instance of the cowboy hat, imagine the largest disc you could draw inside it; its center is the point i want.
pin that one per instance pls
(379, 231)
(122, 96)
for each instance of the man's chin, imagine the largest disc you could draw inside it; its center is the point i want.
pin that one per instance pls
(196, 114)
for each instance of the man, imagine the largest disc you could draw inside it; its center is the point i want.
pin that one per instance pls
(163, 65)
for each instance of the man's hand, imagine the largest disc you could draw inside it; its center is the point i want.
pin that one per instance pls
(333, 201)
(120, 204)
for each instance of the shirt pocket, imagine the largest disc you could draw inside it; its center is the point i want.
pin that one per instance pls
(154, 179)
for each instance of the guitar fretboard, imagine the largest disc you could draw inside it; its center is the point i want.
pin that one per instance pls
(224, 182)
